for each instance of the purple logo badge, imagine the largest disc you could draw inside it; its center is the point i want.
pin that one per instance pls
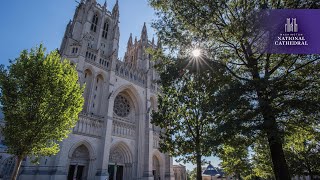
(291, 31)
(291, 37)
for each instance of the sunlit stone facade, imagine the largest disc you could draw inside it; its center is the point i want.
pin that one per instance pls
(113, 138)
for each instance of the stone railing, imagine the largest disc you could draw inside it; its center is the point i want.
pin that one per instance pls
(89, 125)
(96, 63)
(130, 73)
(122, 128)
(127, 119)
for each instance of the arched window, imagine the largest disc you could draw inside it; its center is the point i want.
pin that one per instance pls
(94, 23)
(97, 99)
(105, 30)
(88, 81)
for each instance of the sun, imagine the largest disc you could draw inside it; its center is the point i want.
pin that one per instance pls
(196, 53)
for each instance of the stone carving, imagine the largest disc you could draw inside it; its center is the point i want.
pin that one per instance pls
(116, 157)
(81, 153)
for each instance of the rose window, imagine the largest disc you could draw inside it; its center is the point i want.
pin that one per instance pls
(121, 106)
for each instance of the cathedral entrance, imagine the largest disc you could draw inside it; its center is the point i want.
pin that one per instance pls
(120, 162)
(79, 163)
(75, 172)
(115, 172)
(156, 168)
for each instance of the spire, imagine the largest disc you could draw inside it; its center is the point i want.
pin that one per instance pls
(152, 42)
(115, 10)
(135, 40)
(105, 4)
(129, 41)
(144, 34)
(144, 29)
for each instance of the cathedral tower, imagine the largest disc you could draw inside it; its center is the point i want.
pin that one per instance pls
(113, 138)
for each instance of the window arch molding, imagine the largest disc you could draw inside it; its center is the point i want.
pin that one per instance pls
(94, 22)
(105, 29)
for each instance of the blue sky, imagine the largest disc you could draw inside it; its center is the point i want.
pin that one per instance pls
(25, 24)
(29, 23)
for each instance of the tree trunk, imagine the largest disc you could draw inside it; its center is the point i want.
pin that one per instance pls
(239, 176)
(16, 168)
(199, 168)
(310, 174)
(280, 167)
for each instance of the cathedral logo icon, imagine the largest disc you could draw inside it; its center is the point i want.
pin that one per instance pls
(290, 31)
(291, 25)
(291, 37)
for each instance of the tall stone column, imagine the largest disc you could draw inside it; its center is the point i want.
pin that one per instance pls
(102, 173)
(147, 175)
(141, 140)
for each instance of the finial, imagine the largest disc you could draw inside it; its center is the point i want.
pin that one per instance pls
(105, 4)
(144, 34)
(144, 27)
(115, 10)
(130, 41)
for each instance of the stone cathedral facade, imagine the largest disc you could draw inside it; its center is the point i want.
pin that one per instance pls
(113, 138)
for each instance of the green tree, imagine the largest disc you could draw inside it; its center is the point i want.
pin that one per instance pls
(184, 110)
(235, 159)
(302, 151)
(268, 90)
(191, 175)
(261, 160)
(41, 101)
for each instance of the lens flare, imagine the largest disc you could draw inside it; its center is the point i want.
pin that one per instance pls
(196, 53)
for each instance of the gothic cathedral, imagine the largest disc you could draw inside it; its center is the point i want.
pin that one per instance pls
(113, 138)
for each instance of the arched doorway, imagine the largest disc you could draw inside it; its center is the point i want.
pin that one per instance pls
(79, 164)
(120, 162)
(156, 168)
(6, 167)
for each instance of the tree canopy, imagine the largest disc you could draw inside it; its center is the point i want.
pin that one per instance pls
(267, 92)
(41, 100)
(184, 113)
